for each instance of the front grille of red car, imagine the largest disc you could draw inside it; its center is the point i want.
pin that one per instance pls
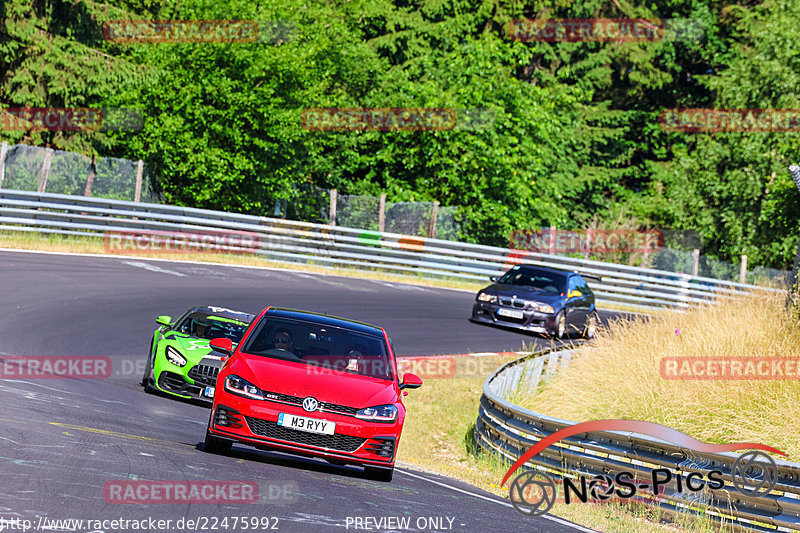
(338, 442)
(323, 406)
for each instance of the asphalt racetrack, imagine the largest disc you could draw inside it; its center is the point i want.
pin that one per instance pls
(63, 442)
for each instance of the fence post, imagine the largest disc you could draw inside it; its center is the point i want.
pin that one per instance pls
(137, 193)
(695, 262)
(48, 160)
(332, 210)
(434, 214)
(3, 150)
(743, 269)
(794, 171)
(90, 177)
(382, 213)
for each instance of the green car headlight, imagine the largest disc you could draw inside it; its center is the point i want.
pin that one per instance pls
(545, 309)
(174, 357)
(380, 413)
(486, 297)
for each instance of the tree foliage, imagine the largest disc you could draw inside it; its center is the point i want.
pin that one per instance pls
(573, 136)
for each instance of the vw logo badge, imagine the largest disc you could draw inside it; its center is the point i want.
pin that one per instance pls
(310, 404)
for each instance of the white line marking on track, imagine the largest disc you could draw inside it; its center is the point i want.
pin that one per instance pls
(499, 502)
(153, 268)
(206, 263)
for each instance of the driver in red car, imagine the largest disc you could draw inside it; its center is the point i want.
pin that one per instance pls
(282, 340)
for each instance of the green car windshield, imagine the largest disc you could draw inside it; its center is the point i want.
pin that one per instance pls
(204, 326)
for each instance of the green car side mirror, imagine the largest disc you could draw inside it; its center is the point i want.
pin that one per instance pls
(164, 320)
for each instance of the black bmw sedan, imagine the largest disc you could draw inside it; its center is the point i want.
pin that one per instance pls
(538, 299)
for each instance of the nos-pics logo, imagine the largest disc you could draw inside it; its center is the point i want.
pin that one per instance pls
(533, 493)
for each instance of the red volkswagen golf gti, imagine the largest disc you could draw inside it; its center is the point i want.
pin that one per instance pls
(311, 384)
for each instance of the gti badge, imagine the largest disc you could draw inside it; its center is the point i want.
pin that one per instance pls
(310, 404)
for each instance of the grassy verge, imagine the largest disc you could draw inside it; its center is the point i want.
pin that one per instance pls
(438, 436)
(626, 359)
(619, 377)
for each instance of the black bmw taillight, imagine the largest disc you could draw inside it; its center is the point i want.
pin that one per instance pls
(227, 417)
(383, 446)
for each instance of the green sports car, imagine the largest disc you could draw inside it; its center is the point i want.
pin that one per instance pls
(180, 361)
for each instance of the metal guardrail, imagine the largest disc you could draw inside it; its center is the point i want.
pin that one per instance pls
(508, 431)
(303, 242)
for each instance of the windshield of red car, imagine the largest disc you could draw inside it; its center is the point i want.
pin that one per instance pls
(332, 348)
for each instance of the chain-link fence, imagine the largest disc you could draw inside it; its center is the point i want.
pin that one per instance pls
(409, 218)
(33, 168)
(424, 219)
(670, 250)
(355, 211)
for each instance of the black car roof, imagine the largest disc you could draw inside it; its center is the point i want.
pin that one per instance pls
(327, 320)
(224, 312)
(549, 270)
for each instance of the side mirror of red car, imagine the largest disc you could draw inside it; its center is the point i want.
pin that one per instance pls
(411, 381)
(222, 345)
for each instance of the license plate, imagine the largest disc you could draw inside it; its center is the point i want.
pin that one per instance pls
(208, 392)
(312, 425)
(510, 313)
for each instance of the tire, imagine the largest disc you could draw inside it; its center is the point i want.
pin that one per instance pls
(590, 328)
(148, 387)
(147, 366)
(214, 444)
(561, 326)
(379, 474)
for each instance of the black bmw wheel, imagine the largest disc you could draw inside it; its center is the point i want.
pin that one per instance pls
(590, 328)
(560, 326)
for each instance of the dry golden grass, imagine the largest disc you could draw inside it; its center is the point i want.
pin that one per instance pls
(437, 436)
(620, 376)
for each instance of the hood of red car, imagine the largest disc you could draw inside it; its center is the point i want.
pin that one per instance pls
(326, 385)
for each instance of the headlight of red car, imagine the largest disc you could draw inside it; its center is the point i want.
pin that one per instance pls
(236, 385)
(380, 413)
